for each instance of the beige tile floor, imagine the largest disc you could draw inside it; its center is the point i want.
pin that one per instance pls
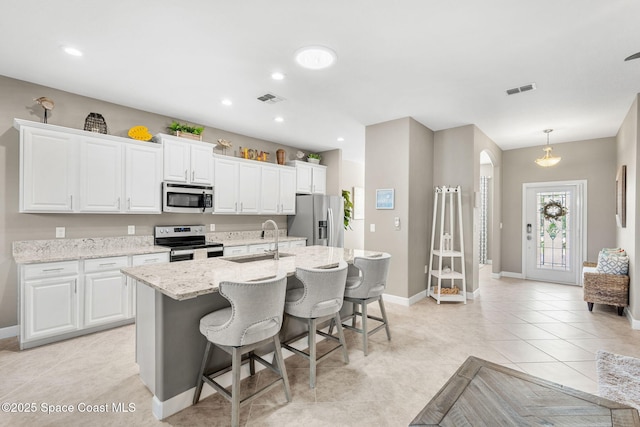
(540, 328)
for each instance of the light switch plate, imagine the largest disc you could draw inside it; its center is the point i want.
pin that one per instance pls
(396, 222)
(212, 227)
(60, 232)
(131, 229)
(372, 228)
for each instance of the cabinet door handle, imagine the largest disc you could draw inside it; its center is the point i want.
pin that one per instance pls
(129, 203)
(71, 201)
(185, 174)
(236, 208)
(107, 263)
(151, 260)
(241, 207)
(53, 269)
(118, 203)
(193, 176)
(75, 286)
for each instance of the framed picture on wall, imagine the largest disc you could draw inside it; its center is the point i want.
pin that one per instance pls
(621, 197)
(384, 198)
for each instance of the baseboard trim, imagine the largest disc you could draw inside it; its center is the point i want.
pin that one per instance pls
(406, 302)
(9, 332)
(635, 323)
(496, 275)
(512, 275)
(474, 294)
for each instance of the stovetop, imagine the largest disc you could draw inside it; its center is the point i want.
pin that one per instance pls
(183, 237)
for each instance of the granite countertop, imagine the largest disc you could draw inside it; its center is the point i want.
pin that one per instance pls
(252, 237)
(188, 279)
(37, 251)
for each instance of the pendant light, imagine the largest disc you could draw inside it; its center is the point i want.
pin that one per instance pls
(548, 159)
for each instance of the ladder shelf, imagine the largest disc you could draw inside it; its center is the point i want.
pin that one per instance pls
(447, 280)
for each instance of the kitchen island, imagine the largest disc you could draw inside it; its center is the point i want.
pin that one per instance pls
(173, 297)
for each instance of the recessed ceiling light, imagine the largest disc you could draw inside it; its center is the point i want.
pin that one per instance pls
(277, 76)
(279, 119)
(340, 139)
(315, 57)
(226, 101)
(72, 51)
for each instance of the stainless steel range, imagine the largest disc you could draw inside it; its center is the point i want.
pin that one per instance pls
(185, 241)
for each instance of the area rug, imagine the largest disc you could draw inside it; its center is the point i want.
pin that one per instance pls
(618, 378)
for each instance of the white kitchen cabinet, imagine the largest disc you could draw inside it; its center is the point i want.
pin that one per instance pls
(100, 176)
(237, 186)
(278, 190)
(143, 178)
(260, 248)
(49, 300)
(71, 170)
(235, 250)
(187, 161)
(310, 178)
(48, 170)
(106, 293)
(136, 260)
(297, 243)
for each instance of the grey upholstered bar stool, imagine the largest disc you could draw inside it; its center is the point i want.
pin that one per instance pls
(253, 320)
(364, 288)
(316, 297)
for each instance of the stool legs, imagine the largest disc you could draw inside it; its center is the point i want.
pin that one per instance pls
(236, 362)
(205, 360)
(279, 359)
(336, 320)
(384, 318)
(312, 353)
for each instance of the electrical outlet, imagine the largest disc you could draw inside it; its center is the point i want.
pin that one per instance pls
(426, 269)
(131, 229)
(372, 228)
(212, 227)
(60, 232)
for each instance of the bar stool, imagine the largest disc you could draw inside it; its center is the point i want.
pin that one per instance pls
(364, 288)
(318, 296)
(253, 320)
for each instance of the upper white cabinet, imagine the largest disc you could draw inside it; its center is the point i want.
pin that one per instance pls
(250, 187)
(143, 178)
(100, 175)
(185, 161)
(70, 170)
(310, 179)
(48, 170)
(278, 190)
(237, 186)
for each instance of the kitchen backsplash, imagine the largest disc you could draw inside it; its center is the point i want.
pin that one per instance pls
(221, 236)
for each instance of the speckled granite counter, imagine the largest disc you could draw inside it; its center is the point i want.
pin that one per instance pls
(188, 279)
(36, 251)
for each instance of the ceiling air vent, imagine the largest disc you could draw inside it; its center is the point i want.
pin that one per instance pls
(524, 88)
(270, 98)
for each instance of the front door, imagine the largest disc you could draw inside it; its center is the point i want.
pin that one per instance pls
(553, 231)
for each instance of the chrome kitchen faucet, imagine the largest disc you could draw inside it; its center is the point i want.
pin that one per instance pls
(276, 255)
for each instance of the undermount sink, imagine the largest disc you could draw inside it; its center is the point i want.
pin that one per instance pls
(254, 258)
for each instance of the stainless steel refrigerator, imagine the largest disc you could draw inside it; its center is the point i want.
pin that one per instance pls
(318, 218)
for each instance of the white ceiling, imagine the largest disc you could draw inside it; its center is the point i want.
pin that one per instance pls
(444, 63)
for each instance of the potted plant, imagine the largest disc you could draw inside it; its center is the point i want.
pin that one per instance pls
(348, 209)
(313, 158)
(186, 131)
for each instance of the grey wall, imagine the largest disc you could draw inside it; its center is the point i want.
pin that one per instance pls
(398, 155)
(627, 142)
(333, 160)
(353, 176)
(16, 101)
(592, 160)
(455, 164)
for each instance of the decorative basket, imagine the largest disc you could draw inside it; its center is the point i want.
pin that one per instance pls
(189, 135)
(95, 123)
(314, 161)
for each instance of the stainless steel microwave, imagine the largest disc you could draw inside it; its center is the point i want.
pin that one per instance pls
(186, 198)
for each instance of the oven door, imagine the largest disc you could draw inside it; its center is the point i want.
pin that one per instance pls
(186, 199)
(181, 255)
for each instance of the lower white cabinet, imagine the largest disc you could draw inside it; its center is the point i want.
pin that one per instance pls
(50, 300)
(106, 293)
(60, 300)
(235, 250)
(297, 243)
